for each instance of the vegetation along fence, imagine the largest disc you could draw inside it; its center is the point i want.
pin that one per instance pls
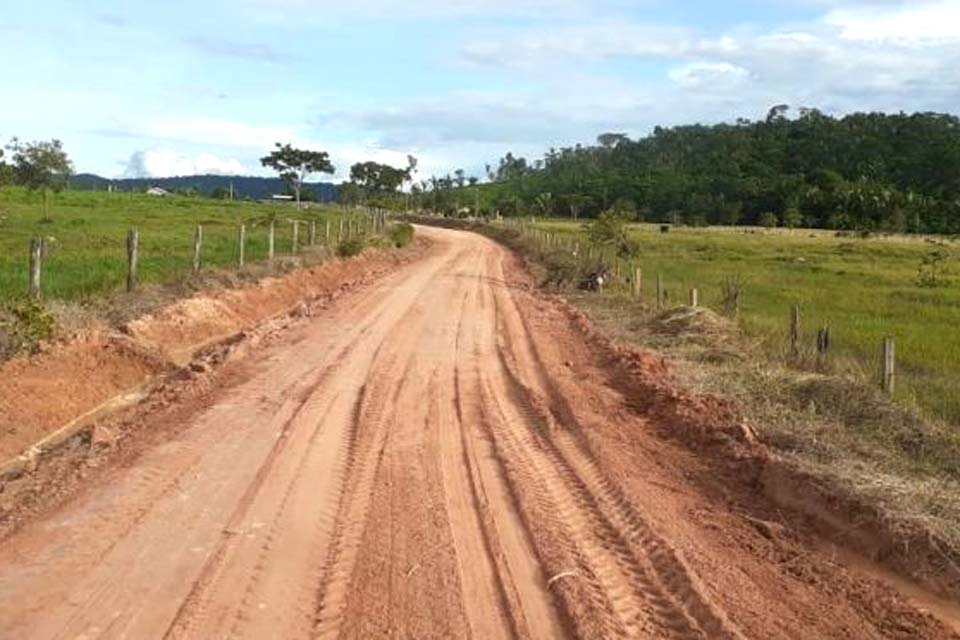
(865, 308)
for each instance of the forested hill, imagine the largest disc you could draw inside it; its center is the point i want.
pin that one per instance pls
(863, 171)
(253, 187)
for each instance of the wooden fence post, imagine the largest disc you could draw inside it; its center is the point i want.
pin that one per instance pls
(271, 240)
(889, 365)
(241, 245)
(313, 232)
(133, 258)
(823, 341)
(659, 291)
(296, 237)
(340, 232)
(694, 298)
(36, 260)
(197, 247)
(795, 330)
(637, 282)
(326, 234)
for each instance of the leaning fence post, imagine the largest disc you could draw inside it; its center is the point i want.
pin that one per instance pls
(36, 260)
(241, 244)
(133, 258)
(272, 240)
(197, 247)
(296, 238)
(659, 291)
(795, 330)
(889, 365)
(694, 298)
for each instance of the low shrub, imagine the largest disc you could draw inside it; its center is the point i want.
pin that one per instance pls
(400, 234)
(351, 247)
(23, 323)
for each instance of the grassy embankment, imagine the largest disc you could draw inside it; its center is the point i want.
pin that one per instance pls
(86, 235)
(864, 289)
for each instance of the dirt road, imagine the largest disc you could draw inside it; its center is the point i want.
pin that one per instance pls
(439, 455)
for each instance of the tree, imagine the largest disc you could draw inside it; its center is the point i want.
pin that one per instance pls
(375, 178)
(767, 219)
(544, 204)
(611, 140)
(42, 166)
(792, 218)
(6, 171)
(610, 230)
(295, 165)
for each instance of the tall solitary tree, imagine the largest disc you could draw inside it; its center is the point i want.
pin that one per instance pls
(296, 165)
(41, 166)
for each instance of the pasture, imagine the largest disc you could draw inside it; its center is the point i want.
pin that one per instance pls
(85, 236)
(864, 289)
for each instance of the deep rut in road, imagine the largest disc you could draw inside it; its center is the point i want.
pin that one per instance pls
(438, 455)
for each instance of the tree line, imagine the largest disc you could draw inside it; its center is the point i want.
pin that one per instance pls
(44, 166)
(864, 171)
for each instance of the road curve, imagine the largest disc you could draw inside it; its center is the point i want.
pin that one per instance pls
(435, 456)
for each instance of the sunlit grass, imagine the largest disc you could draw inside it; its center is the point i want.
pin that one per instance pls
(86, 232)
(865, 289)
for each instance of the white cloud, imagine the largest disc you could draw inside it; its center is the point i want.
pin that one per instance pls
(164, 163)
(702, 75)
(214, 131)
(920, 21)
(587, 41)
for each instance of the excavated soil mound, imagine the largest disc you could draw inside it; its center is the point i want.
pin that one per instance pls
(42, 393)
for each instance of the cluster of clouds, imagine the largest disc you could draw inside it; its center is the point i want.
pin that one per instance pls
(553, 58)
(165, 162)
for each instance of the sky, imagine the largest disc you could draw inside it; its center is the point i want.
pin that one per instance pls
(152, 89)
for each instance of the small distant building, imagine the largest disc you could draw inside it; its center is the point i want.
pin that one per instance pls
(157, 191)
(281, 197)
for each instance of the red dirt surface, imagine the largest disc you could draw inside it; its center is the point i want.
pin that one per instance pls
(445, 453)
(43, 392)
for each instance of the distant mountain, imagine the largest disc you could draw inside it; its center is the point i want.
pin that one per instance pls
(252, 187)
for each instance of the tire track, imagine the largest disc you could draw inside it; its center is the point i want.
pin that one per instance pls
(666, 583)
(363, 456)
(296, 511)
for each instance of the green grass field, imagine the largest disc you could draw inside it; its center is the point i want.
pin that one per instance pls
(865, 289)
(86, 232)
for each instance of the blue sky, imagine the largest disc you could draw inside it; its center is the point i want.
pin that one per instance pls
(165, 88)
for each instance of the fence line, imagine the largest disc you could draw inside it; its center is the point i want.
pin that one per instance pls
(546, 241)
(361, 221)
